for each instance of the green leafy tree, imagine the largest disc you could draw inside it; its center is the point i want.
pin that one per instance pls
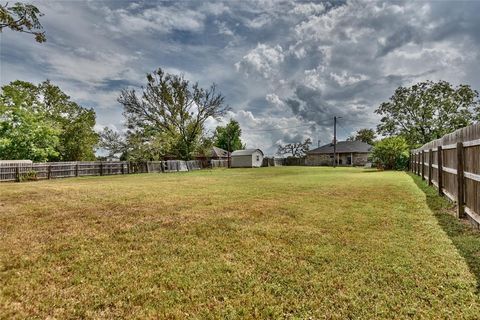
(173, 109)
(364, 135)
(229, 136)
(112, 141)
(428, 110)
(78, 138)
(22, 18)
(157, 146)
(51, 107)
(296, 150)
(25, 132)
(204, 148)
(391, 153)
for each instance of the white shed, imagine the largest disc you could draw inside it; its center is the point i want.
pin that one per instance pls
(248, 158)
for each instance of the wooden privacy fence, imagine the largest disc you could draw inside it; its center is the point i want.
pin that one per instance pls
(19, 171)
(219, 163)
(452, 164)
(279, 162)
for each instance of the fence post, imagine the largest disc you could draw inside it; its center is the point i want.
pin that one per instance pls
(76, 169)
(460, 182)
(147, 166)
(101, 168)
(418, 164)
(123, 167)
(440, 170)
(17, 173)
(422, 164)
(49, 171)
(430, 169)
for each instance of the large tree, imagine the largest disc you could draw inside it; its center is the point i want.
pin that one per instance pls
(365, 135)
(50, 106)
(428, 110)
(112, 141)
(229, 137)
(173, 108)
(295, 149)
(22, 18)
(25, 133)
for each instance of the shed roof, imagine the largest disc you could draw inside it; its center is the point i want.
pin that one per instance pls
(246, 152)
(219, 152)
(343, 147)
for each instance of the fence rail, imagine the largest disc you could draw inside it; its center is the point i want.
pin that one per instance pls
(452, 164)
(20, 171)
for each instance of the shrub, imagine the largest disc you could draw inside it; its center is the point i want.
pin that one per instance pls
(391, 153)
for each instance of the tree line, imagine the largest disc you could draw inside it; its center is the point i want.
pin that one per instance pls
(166, 119)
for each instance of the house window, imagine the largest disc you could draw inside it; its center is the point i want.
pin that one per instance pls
(258, 157)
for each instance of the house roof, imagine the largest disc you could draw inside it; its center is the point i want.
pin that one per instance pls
(246, 152)
(343, 147)
(219, 152)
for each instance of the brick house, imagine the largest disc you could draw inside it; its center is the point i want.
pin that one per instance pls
(349, 153)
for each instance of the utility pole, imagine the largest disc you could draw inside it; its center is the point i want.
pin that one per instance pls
(228, 152)
(335, 141)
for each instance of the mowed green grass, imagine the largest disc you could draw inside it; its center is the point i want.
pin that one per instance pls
(285, 242)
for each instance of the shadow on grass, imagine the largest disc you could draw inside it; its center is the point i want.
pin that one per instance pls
(464, 236)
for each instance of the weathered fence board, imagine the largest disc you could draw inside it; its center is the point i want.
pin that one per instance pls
(26, 170)
(454, 168)
(219, 163)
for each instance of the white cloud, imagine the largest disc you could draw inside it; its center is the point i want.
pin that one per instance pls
(162, 18)
(345, 79)
(308, 9)
(262, 60)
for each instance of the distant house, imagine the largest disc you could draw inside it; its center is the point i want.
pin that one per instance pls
(248, 158)
(349, 153)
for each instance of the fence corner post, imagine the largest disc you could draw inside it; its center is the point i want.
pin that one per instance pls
(460, 182)
(430, 168)
(440, 170)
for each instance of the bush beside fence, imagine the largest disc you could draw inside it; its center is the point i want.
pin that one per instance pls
(452, 164)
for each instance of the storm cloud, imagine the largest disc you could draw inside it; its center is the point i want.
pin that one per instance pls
(286, 68)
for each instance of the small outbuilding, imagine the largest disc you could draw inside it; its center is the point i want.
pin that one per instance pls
(248, 158)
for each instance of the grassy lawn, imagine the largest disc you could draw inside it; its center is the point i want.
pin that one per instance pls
(243, 243)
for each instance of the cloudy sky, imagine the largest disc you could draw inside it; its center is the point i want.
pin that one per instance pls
(285, 68)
